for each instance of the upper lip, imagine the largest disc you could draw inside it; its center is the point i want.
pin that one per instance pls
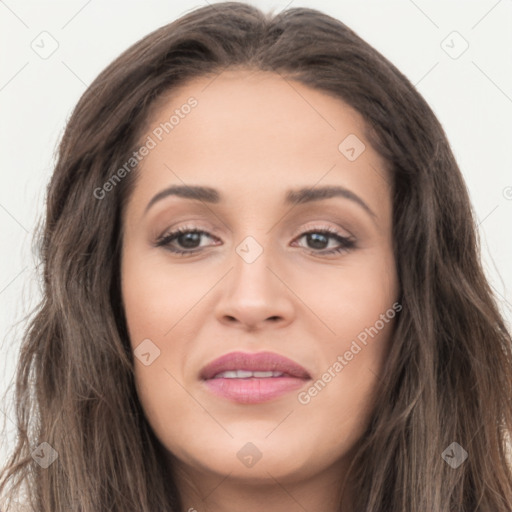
(259, 361)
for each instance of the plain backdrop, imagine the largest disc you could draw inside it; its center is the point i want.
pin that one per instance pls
(457, 53)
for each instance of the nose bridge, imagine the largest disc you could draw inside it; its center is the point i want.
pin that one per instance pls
(252, 292)
(251, 277)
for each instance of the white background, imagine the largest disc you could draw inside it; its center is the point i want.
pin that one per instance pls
(471, 95)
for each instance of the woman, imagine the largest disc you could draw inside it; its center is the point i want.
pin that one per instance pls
(338, 349)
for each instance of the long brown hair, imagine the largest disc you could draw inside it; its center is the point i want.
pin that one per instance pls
(448, 377)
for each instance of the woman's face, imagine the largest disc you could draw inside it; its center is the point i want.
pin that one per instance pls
(254, 281)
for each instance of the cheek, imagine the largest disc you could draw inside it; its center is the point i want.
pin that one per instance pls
(156, 300)
(349, 298)
(357, 309)
(156, 296)
(341, 395)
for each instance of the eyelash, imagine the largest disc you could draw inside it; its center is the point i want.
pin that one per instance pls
(346, 243)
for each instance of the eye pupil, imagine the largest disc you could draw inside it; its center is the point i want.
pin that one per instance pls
(317, 238)
(185, 238)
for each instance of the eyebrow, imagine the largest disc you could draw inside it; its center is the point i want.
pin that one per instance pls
(298, 196)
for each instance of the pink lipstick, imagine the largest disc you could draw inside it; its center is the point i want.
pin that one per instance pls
(253, 378)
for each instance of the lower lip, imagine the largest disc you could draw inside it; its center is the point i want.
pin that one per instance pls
(253, 390)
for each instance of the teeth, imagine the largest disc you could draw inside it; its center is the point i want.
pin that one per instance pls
(264, 375)
(245, 374)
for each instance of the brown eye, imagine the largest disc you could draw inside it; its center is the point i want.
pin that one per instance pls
(318, 240)
(188, 240)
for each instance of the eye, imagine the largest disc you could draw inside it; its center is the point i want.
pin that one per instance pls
(189, 240)
(187, 237)
(320, 238)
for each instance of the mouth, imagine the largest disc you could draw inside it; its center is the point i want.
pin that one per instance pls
(252, 378)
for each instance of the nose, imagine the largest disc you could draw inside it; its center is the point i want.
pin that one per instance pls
(254, 294)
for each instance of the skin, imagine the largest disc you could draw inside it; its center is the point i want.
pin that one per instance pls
(253, 136)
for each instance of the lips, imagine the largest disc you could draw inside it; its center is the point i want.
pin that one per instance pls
(256, 362)
(253, 378)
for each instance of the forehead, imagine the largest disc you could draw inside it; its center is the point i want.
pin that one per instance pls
(252, 131)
